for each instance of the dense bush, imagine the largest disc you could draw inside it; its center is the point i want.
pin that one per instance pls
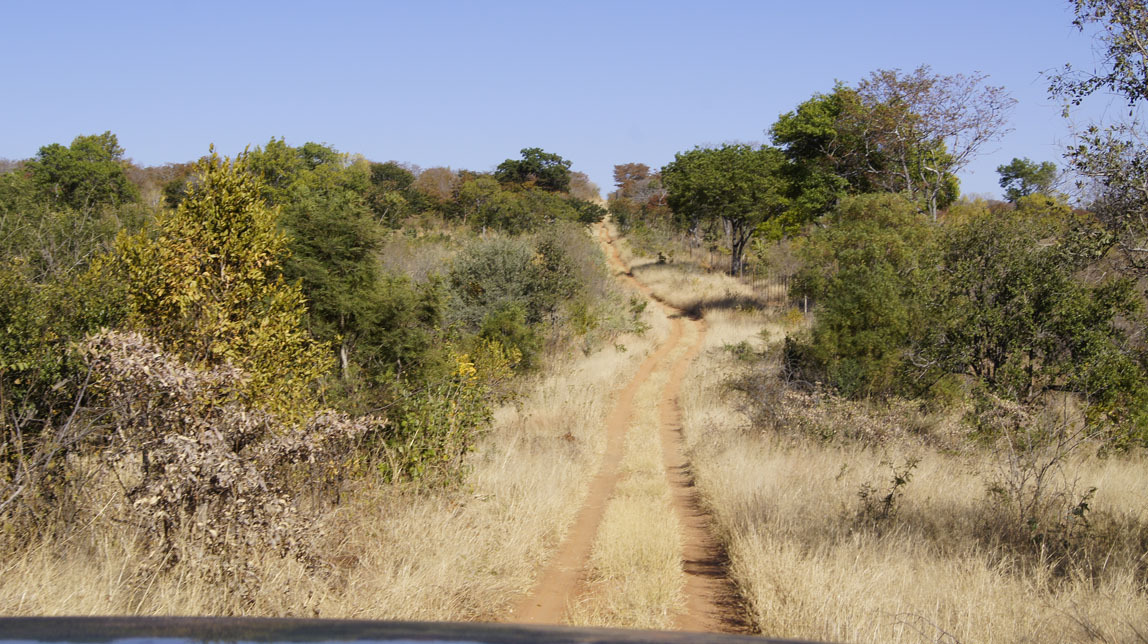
(506, 289)
(1012, 313)
(209, 288)
(868, 271)
(437, 424)
(997, 296)
(204, 470)
(248, 296)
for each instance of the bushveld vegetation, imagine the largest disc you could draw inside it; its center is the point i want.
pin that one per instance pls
(298, 382)
(955, 516)
(940, 436)
(201, 364)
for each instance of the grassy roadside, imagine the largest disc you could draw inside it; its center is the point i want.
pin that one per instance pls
(818, 555)
(467, 555)
(387, 551)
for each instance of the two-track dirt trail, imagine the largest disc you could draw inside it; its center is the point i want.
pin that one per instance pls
(711, 601)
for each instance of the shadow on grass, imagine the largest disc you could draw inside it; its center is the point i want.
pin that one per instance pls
(726, 302)
(697, 305)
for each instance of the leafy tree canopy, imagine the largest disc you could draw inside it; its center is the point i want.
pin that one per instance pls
(544, 170)
(1023, 177)
(736, 184)
(282, 167)
(1122, 26)
(85, 176)
(893, 132)
(208, 287)
(992, 296)
(868, 272)
(1011, 312)
(391, 176)
(1114, 156)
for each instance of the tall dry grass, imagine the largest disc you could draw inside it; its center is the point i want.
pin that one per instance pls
(814, 560)
(811, 566)
(388, 552)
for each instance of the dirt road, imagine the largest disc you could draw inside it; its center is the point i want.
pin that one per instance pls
(711, 601)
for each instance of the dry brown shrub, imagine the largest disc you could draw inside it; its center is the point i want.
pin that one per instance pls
(38, 484)
(208, 476)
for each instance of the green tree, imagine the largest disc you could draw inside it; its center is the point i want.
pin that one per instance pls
(588, 211)
(278, 166)
(828, 160)
(403, 335)
(479, 201)
(1012, 313)
(993, 295)
(314, 155)
(622, 212)
(55, 218)
(390, 195)
(740, 186)
(869, 272)
(391, 176)
(332, 239)
(333, 209)
(207, 285)
(545, 170)
(85, 176)
(1023, 177)
(282, 168)
(1121, 25)
(174, 186)
(893, 132)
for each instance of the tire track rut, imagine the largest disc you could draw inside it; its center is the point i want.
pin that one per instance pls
(712, 601)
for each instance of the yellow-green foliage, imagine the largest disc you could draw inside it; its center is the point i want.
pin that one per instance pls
(207, 285)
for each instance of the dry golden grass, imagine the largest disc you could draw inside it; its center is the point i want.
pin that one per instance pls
(811, 564)
(453, 554)
(688, 286)
(636, 575)
(789, 511)
(811, 567)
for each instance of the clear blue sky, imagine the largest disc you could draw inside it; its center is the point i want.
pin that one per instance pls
(468, 84)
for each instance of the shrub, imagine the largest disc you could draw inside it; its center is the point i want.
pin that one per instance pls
(437, 424)
(208, 287)
(879, 505)
(207, 474)
(508, 327)
(1013, 312)
(505, 289)
(868, 272)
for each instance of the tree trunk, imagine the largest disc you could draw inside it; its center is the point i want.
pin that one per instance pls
(739, 235)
